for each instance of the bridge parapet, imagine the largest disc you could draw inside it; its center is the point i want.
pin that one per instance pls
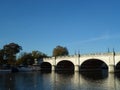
(60, 57)
(49, 58)
(96, 54)
(118, 53)
(82, 55)
(70, 56)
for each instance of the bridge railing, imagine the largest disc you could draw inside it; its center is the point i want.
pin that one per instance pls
(48, 58)
(96, 54)
(69, 56)
(83, 55)
(118, 53)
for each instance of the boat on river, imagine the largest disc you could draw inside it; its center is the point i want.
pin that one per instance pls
(5, 70)
(25, 69)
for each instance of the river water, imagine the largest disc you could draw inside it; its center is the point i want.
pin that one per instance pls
(59, 81)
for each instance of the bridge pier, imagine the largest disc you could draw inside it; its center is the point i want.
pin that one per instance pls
(111, 68)
(53, 67)
(76, 68)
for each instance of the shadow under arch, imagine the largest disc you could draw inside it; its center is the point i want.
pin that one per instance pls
(97, 75)
(117, 67)
(94, 69)
(45, 66)
(65, 65)
(93, 65)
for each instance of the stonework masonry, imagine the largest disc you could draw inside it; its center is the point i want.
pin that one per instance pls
(110, 59)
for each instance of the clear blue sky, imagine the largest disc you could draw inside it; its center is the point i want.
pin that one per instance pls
(85, 25)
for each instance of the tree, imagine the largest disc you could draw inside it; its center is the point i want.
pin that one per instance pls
(29, 58)
(25, 59)
(10, 51)
(38, 55)
(60, 51)
(2, 57)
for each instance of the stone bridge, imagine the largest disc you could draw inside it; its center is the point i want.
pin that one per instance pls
(110, 60)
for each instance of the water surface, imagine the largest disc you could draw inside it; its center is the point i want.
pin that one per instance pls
(59, 81)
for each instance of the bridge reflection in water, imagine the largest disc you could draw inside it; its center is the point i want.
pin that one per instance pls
(88, 80)
(60, 81)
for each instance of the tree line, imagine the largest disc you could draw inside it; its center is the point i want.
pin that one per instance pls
(8, 55)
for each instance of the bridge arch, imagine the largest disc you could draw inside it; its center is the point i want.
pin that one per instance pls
(117, 61)
(45, 66)
(117, 66)
(65, 65)
(94, 64)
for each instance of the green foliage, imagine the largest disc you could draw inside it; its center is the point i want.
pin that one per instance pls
(38, 54)
(60, 51)
(2, 57)
(28, 58)
(10, 51)
(12, 48)
(25, 59)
